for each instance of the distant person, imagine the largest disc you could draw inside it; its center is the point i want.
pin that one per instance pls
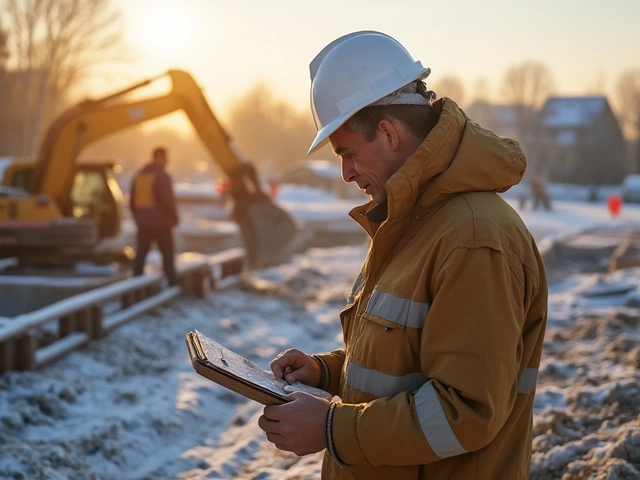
(539, 194)
(444, 327)
(154, 208)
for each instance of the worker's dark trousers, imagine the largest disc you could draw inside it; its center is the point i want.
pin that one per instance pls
(163, 237)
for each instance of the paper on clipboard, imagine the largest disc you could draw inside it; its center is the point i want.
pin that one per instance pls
(237, 373)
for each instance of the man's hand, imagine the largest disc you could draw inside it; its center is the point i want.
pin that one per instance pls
(292, 365)
(297, 426)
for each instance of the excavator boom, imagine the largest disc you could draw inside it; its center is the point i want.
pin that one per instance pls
(267, 230)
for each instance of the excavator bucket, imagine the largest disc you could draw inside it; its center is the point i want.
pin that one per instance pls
(267, 230)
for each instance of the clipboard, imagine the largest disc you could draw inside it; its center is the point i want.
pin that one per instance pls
(239, 374)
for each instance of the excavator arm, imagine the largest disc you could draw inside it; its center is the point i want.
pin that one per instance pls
(267, 230)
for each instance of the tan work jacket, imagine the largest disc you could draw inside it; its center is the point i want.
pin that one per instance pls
(444, 327)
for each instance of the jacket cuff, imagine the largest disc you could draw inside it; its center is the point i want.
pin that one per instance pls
(329, 436)
(325, 375)
(345, 435)
(334, 361)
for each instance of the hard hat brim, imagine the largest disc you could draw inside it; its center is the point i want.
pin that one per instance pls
(322, 137)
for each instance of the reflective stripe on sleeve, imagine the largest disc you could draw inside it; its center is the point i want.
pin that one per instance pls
(357, 286)
(402, 311)
(381, 384)
(527, 379)
(434, 423)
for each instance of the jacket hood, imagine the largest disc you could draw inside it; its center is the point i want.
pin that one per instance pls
(457, 156)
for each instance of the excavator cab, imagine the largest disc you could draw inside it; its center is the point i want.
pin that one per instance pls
(95, 194)
(17, 172)
(91, 210)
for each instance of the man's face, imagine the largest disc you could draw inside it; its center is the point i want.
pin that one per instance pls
(368, 164)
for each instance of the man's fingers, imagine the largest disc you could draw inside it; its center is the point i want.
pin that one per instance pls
(275, 438)
(289, 375)
(270, 414)
(282, 362)
(282, 446)
(276, 369)
(294, 392)
(269, 426)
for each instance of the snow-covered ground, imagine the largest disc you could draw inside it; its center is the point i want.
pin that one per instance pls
(130, 406)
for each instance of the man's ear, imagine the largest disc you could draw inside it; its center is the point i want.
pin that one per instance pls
(389, 131)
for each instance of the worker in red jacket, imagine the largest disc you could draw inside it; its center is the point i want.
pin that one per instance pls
(154, 208)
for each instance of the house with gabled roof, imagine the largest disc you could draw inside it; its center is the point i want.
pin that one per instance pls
(570, 140)
(578, 140)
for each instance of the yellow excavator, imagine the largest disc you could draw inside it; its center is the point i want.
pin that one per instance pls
(59, 206)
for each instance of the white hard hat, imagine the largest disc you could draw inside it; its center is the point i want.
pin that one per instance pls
(353, 72)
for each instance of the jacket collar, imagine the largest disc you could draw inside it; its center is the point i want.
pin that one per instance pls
(457, 156)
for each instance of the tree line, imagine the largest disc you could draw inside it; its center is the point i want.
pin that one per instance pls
(49, 47)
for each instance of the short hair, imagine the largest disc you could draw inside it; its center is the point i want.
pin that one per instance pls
(159, 151)
(419, 119)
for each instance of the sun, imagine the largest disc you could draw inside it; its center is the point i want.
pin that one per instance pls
(167, 27)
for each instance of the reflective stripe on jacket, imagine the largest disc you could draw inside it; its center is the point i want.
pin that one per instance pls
(444, 327)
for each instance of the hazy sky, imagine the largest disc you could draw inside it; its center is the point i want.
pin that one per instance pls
(229, 46)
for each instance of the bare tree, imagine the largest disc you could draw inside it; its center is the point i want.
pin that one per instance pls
(451, 87)
(526, 86)
(9, 122)
(269, 130)
(3, 48)
(629, 99)
(52, 43)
